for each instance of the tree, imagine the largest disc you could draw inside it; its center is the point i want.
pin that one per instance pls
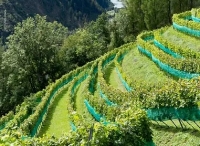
(155, 13)
(116, 39)
(135, 16)
(31, 60)
(86, 44)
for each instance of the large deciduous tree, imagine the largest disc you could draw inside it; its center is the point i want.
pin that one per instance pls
(86, 44)
(31, 59)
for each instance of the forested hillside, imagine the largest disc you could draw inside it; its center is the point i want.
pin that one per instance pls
(71, 13)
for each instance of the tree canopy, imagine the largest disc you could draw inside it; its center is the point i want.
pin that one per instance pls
(31, 59)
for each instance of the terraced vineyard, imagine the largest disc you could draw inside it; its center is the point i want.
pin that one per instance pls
(143, 93)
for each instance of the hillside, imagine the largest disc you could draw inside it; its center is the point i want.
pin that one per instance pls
(71, 13)
(142, 93)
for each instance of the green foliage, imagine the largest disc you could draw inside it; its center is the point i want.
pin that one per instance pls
(190, 65)
(5, 119)
(128, 122)
(184, 51)
(31, 60)
(86, 44)
(179, 94)
(185, 25)
(32, 125)
(140, 15)
(195, 12)
(155, 12)
(119, 58)
(28, 107)
(71, 14)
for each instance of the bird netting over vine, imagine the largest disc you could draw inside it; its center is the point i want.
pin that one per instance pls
(92, 111)
(195, 19)
(128, 88)
(167, 68)
(78, 82)
(167, 50)
(45, 109)
(169, 113)
(105, 62)
(187, 30)
(121, 57)
(108, 102)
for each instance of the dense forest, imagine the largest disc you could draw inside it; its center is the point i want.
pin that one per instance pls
(40, 50)
(71, 13)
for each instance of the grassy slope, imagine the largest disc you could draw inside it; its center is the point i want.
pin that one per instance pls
(178, 38)
(80, 106)
(175, 137)
(140, 68)
(112, 78)
(57, 120)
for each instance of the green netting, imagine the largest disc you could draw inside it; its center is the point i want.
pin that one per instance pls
(195, 19)
(192, 113)
(2, 126)
(92, 85)
(187, 30)
(128, 88)
(92, 111)
(77, 83)
(44, 112)
(188, 18)
(167, 68)
(121, 57)
(151, 143)
(158, 114)
(93, 81)
(167, 50)
(168, 113)
(108, 102)
(95, 70)
(40, 119)
(109, 59)
(73, 126)
(148, 38)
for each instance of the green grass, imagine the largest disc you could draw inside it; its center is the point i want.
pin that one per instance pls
(112, 78)
(80, 106)
(140, 68)
(57, 121)
(164, 136)
(182, 39)
(176, 124)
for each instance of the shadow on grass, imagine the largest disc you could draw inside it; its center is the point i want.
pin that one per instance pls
(172, 129)
(108, 72)
(49, 117)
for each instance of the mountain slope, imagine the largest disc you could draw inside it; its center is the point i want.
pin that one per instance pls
(71, 13)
